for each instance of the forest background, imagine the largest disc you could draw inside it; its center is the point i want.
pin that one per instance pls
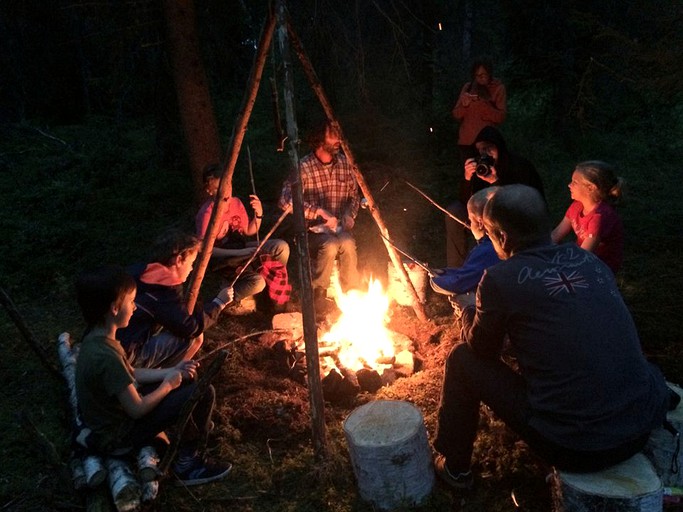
(97, 153)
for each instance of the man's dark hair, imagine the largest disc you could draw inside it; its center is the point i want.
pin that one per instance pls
(98, 289)
(521, 212)
(316, 135)
(171, 243)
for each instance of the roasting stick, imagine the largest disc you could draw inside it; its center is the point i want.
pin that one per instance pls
(424, 267)
(437, 205)
(253, 186)
(260, 245)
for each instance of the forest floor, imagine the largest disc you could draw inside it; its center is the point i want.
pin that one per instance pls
(83, 197)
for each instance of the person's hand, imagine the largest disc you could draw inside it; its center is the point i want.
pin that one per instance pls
(226, 295)
(492, 177)
(331, 222)
(470, 168)
(188, 369)
(348, 222)
(174, 378)
(256, 205)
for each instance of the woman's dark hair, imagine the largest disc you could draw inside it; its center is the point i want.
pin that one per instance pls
(98, 289)
(481, 62)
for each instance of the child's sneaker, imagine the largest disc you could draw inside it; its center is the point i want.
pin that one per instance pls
(461, 481)
(200, 471)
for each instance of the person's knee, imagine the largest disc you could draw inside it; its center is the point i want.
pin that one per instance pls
(280, 251)
(347, 245)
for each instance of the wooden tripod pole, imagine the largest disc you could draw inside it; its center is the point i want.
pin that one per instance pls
(315, 393)
(225, 185)
(372, 205)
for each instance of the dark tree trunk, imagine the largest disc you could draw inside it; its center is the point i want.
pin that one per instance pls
(194, 100)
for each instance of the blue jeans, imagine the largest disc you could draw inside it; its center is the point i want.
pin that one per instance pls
(251, 282)
(470, 380)
(324, 249)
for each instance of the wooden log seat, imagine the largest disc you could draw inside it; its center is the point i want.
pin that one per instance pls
(390, 453)
(631, 486)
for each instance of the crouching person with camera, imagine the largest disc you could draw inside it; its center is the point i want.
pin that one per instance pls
(493, 165)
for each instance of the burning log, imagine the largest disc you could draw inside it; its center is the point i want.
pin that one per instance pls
(337, 387)
(369, 380)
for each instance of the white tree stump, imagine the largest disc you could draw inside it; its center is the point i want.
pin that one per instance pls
(125, 488)
(631, 486)
(390, 453)
(661, 448)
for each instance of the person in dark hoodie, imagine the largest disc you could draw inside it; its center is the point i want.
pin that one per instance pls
(495, 165)
(161, 333)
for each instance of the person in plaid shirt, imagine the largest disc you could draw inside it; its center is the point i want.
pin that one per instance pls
(330, 200)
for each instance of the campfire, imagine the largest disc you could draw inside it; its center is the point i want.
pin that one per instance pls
(358, 352)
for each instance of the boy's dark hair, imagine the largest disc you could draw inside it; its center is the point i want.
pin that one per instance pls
(171, 243)
(97, 289)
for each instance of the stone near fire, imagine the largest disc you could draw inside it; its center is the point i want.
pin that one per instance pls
(404, 363)
(391, 459)
(292, 322)
(369, 380)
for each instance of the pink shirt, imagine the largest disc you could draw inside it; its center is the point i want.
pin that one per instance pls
(604, 222)
(234, 216)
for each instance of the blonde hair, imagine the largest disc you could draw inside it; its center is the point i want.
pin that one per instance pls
(478, 200)
(608, 186)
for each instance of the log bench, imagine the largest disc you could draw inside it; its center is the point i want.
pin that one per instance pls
(132, 478)
(631, 486)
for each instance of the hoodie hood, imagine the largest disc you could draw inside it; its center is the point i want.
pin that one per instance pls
(493, 136)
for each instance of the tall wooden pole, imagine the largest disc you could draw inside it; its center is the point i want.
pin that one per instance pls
(225, 185)
(372, 205)
(315, 393)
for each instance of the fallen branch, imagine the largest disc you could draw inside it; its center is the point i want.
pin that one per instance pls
(27, 335)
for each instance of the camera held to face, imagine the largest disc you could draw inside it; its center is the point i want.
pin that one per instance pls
(484, 164)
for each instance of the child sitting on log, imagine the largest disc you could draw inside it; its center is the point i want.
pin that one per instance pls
(596, 190)
(124, 407)
(464, 280)
(161, 332)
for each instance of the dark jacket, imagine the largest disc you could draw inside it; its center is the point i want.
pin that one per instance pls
(161, 306)
(511, 168)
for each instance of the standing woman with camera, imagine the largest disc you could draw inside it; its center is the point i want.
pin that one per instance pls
(492, 164)
(482, 102)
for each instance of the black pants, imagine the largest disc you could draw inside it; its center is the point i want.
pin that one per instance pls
(470, 380)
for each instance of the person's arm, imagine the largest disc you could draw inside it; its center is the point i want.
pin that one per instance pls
(496, 107)
(562, 230)
(464, 100)
(188, 370)
(137, 406)
(255, 222)
(483, 325)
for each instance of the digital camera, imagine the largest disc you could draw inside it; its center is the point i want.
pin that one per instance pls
(484, 164)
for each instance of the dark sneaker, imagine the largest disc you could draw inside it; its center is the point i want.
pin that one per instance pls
(460, 481)
(201, 471)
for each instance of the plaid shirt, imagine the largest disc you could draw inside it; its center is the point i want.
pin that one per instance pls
(332, 187)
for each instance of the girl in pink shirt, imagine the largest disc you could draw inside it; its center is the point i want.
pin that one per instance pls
(592, 216)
